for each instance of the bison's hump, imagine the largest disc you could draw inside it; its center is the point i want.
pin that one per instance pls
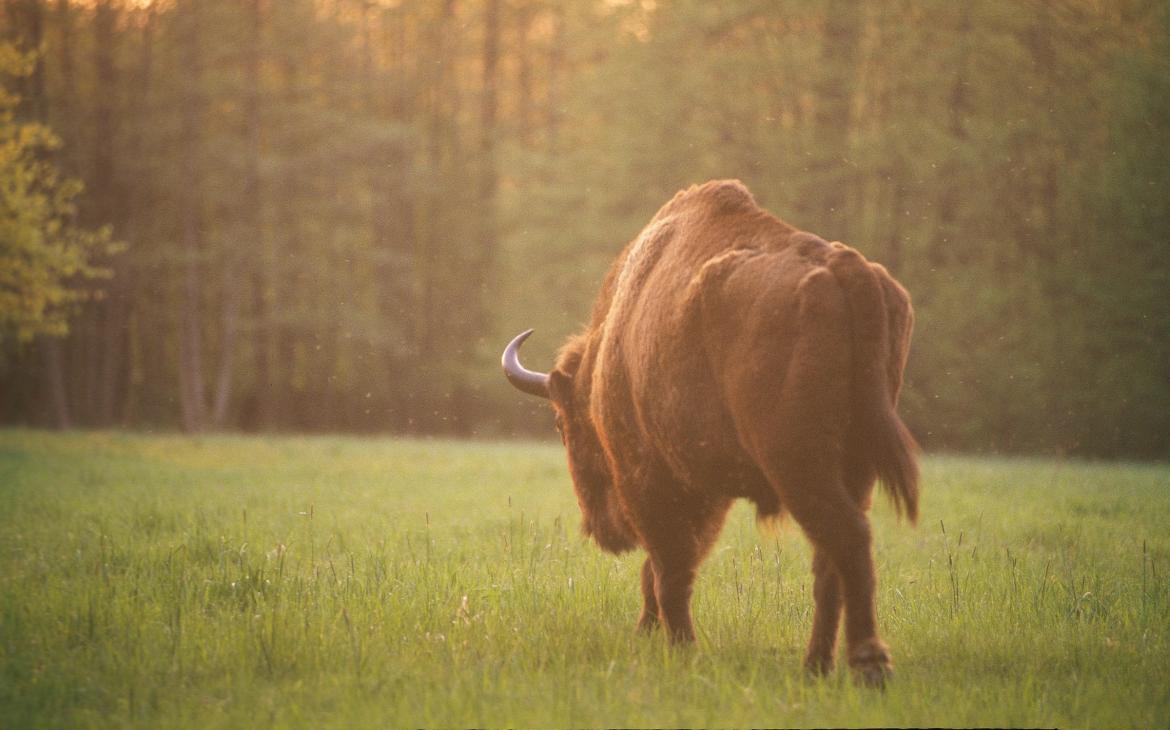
(728, 195)
(720, 196)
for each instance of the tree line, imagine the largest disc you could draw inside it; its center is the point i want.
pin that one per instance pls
(330, 214)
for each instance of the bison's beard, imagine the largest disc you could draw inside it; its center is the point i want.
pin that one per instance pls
(602, 516)
(609, 528)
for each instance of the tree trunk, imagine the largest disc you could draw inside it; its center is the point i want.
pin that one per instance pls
(139, 196)
(249, 206)
(64, 109)
(110, 313)
(838, 76)
(488, 174)
(556, 60)
(395, 223)
(191, 379)
(523, 22)
(54, 383)
(441, 117)
(27, 29)
(951, 192)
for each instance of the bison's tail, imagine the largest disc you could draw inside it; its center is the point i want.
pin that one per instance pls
(881, 320)
(892, 454)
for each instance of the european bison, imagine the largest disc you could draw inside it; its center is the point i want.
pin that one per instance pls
(731, 355)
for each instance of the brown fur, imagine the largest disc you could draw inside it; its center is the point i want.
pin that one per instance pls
(730, 355)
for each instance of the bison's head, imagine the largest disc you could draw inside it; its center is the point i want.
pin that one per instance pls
(568, 388)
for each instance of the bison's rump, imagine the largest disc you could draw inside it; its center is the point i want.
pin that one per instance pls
(787, 349)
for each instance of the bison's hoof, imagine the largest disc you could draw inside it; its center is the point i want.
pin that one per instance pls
(871, 663)
(818, 666)
(647, 623)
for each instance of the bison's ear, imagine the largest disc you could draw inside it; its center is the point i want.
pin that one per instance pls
(560, 387)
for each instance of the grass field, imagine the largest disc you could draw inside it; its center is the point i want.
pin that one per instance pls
(232, 581)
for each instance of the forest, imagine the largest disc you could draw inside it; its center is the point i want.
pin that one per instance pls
(331, 215)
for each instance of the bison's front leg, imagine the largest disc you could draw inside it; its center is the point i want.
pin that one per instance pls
(677, 539)
(648, 621)
(673, 583)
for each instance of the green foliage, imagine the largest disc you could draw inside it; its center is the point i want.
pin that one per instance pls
(44, 258)
(341, 582)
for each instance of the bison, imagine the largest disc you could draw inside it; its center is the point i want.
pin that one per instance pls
(731, 355)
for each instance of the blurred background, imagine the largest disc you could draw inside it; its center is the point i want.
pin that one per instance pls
(331, 215)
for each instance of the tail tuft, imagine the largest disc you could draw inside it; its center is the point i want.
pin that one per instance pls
(894, 456)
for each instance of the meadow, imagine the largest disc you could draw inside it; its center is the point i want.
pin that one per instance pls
(230, 581)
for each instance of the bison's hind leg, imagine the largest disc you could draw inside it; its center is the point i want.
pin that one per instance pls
(844, 577)
(798, 441)
(822, 645)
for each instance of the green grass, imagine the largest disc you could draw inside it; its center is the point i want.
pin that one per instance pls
(232, 581)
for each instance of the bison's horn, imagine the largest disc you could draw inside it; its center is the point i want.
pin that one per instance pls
(519, 376)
